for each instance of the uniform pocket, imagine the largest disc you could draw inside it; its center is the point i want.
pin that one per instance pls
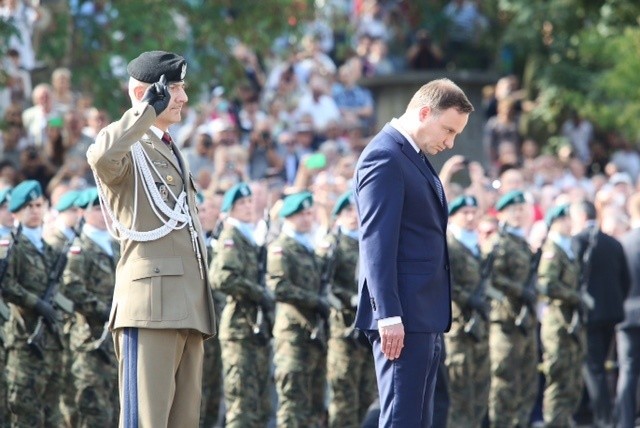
(155, 293)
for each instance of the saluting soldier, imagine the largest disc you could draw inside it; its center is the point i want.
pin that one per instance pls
(6, 227)
(162, 305)
(294, 277)
(563, 346)
(88, 281)
(351, 373)
(62, 232)
(512, 348)
(209, 210)
(467, 358)
(33, 381)
(245, 352)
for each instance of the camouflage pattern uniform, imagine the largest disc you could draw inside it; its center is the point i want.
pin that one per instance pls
(245, 357)
(300, 362)
(351, 373)
(562, 353)
(88, 280)
(467, 358)
(33, 383)
(68, 408)
(5, 242)
(212, 360)
(514, 355)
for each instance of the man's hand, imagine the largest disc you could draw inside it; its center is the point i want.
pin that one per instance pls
(392, 340)
(157, 95)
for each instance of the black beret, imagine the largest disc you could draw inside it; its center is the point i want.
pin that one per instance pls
(149, 66)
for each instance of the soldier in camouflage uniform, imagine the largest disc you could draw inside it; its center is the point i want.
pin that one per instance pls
(64, 230)
(6, 227)
(33, 382)
(512, 349)
(351, 373)
(209, 210)
(88, 281)
(245, 354)
(563, 352)
(467, 358)
(294, 276)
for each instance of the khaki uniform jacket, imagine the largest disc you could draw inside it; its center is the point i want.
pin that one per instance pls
(158, 283)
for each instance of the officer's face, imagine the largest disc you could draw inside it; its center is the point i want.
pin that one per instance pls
(94, 217)
(302, 222)
(514, 215)
(563, 226)
(348, 218)
(32, 214)
(243, 209)
(70, 216)
(465, 218)
(173, 113)
(437, 132)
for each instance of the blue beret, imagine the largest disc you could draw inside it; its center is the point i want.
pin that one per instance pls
(295, 203)
(88, 198)
(199, 198)
(343, 201)
(510, 198)
(240, 190)
(5, 195)
(24, 193)
(67, 200)
(149, 66)
(461, 202)
(555, 213)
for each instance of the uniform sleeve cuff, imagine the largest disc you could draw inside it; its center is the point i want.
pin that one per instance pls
(386, 322)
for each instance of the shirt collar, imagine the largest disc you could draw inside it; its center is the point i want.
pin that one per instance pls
(396, 124)
(158, 133)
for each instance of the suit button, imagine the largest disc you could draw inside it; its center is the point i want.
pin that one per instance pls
(156, 269)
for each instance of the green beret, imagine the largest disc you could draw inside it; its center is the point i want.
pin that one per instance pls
(67, 200)
(24, 193)
(511, 198)
(5, 195)
(88, 198)
(295, 203)
(555, 213)
(461, 202)
(149, 66)
(199, 198)
(343, 202)
(240, 190)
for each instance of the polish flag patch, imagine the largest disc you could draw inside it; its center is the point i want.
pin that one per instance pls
(228, 243)
(4, 242)
(76, 249)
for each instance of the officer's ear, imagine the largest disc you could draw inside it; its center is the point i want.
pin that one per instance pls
(139, 90)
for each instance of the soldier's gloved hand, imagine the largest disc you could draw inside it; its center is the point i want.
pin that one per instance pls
(268, 301)
(528, 296)
(157, 95)
(48, 312)
(324, 308)
(478, 304)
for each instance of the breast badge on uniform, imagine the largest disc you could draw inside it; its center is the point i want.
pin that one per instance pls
(164, 191)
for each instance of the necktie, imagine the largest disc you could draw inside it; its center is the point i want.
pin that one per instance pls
(166, 138)
(436, 180)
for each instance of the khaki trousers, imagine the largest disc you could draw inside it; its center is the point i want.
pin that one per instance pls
(159, 377)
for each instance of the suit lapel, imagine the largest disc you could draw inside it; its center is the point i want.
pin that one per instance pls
(162, 148)
(425, 167)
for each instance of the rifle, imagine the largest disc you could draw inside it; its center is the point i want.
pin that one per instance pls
(319, 333)
(579, 315)
(53, 296)
(264, 317)
(5, 312)
(532, 279)
(472, 327)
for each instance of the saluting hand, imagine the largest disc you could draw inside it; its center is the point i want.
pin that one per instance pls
(392, 340)
(157, 95)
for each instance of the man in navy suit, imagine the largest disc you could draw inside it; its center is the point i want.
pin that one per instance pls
(404, 283)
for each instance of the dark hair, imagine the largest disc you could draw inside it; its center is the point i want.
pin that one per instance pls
(587, 208)
(441, 95)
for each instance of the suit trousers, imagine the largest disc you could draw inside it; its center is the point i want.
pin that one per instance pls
(159, 377)
(628, 342)
(407, 385)
(599, 337)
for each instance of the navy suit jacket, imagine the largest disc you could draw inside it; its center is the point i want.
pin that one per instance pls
(404, 261)
(631, 246)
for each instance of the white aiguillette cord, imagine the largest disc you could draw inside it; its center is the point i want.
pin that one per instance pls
(177, 218)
